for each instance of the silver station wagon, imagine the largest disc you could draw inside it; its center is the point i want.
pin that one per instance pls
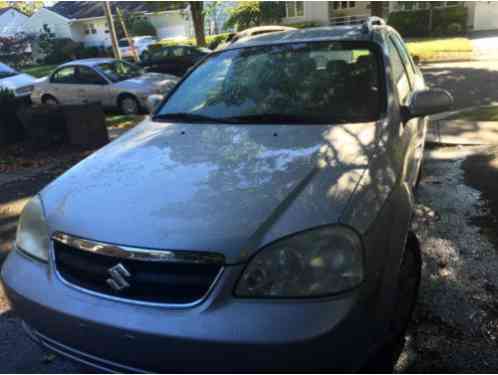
(258, 220)
(113, 83)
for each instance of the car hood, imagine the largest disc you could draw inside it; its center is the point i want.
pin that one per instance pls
(221, 188)
(147, 82)
(17, 81)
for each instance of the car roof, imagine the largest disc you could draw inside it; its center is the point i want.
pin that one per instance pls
(90, 62)
(315, 34)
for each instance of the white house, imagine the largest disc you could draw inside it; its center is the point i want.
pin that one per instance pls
(84, 21)
(482, 15)
(11, 21)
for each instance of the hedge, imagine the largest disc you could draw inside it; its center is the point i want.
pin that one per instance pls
(416, 23)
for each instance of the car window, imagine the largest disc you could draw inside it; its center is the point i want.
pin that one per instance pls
(399, 74)
(6, 71)
(124, 43)
(305, 82)
(64, 75)
(119, 70)
(88, 76)
(405, 57)
(177, 51)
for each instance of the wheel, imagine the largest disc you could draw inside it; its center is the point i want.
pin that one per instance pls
(49, 99)
(408, 285)
(128, 105)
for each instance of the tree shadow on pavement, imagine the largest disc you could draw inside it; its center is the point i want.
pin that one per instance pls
(469, 86)
(456, 318)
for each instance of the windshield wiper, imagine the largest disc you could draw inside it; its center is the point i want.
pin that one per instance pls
(191, 117)
(279, 118)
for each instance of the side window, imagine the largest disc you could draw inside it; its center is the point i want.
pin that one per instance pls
(405, 56)
(398, 72)
(177, 52)
(64, 75)
(87, 76)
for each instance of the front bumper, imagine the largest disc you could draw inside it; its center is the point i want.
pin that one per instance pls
(222, 333)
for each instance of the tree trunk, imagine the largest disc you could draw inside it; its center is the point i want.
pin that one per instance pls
(198, 21)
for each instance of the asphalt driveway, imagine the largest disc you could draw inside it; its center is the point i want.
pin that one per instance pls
(471, 83)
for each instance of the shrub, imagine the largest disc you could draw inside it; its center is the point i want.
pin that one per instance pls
(410, 24)
(141, 26)
(214, 41)
(416, 23)
(304, 25)
(455, 28)
(11, 129)
(59, 50)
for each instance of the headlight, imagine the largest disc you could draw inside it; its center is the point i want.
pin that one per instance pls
(32, 231)
(24, 90)
(315, 263)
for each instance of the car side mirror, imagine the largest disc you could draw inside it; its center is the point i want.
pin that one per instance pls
(428, 102)
(153, 101)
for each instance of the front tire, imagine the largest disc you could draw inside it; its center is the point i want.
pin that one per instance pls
(408, 285)
(49, 100)
(128, 105)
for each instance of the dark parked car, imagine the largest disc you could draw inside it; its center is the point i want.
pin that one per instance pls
(258, 220)
(173, 59)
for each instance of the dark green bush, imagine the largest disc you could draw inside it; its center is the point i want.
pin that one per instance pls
(410, 24)
(416, 23)
(304, 25)
(61, 50)
(214, 41)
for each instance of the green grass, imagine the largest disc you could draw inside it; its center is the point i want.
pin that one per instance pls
(122, 121)
(39, 71)
(488, 113)
(431, 48)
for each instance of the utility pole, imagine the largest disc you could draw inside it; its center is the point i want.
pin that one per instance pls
(127, 36)
(112, 29)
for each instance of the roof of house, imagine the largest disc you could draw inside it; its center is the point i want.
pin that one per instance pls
(5, 10)
(93, 9)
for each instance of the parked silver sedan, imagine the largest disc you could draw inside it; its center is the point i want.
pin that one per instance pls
(113, 83)
(258, 220)
(21, 84)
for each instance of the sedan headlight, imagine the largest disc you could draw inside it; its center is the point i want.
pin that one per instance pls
(315, 263)
(32, 231)
(24, 90)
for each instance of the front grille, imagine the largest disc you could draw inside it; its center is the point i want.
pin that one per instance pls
(149, 281)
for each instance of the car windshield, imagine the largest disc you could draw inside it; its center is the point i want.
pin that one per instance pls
(319, 82)
(6, 71)
(119, 70)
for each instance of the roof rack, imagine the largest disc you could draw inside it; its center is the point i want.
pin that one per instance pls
(370, 22)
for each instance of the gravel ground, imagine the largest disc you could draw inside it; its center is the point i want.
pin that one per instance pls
(456, 321)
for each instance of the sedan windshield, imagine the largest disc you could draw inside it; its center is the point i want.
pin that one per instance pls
(6, 71)
(119, 70)
(323, 82)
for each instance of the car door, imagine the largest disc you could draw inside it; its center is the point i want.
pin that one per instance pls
(410, 140)
(63, 85)
(92, 88)
(417, 83)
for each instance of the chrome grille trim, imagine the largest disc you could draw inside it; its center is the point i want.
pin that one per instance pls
(133, 253)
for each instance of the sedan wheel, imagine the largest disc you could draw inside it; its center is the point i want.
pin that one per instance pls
(129, 105)
(50, 100)
(408, 285)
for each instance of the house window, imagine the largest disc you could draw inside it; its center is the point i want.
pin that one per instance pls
(294, 8)
(352, 4)
(409, 5)
(90, 29)
(422, 4)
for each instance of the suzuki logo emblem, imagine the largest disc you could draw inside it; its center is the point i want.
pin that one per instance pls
(117, 281)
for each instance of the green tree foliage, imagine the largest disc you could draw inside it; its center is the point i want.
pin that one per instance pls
(255, 13)
(27, 7)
